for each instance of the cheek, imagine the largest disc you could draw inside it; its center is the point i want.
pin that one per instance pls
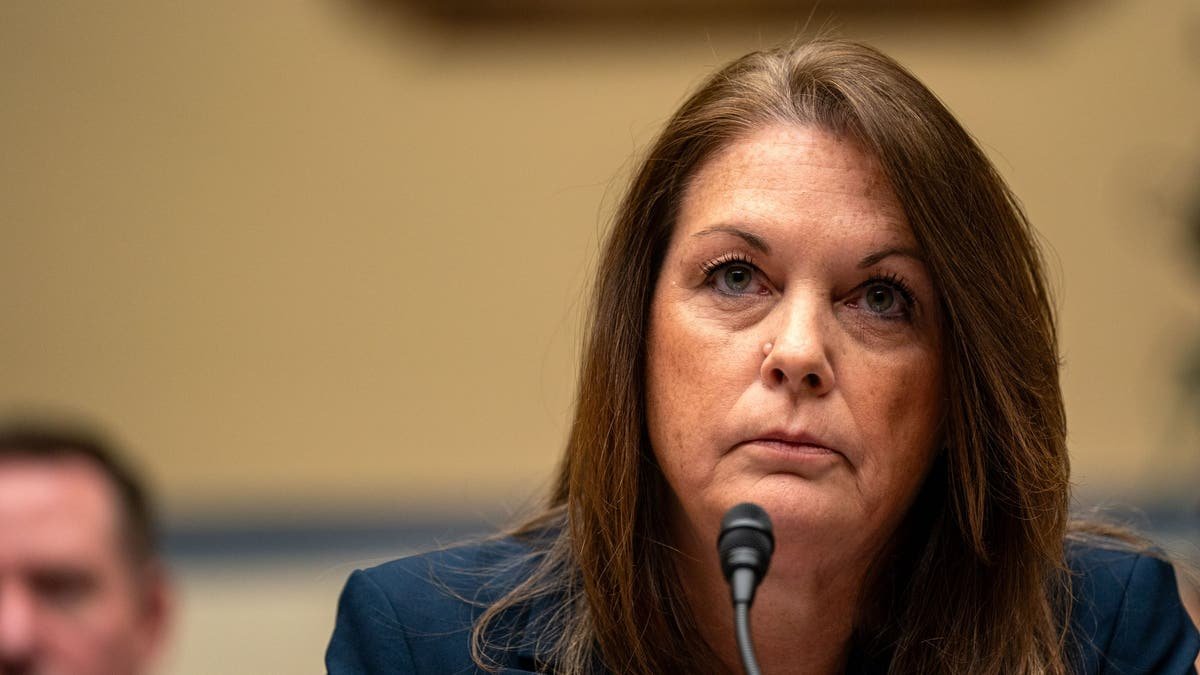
(669, 394)
(897, 405)
(693, 377)
(100, 636)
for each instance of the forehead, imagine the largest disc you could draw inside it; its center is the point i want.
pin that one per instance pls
(780, 173)
(56, 509)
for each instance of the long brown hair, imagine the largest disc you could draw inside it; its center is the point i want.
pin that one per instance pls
(978, 582)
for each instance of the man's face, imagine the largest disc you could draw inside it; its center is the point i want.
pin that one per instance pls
(72, 602)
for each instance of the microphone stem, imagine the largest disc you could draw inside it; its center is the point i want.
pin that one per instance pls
(741, 621)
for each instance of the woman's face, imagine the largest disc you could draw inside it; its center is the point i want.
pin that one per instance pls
(794, 357)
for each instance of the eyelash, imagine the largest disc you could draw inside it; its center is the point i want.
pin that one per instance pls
(709, 268)
(891, 279)
(725, 261)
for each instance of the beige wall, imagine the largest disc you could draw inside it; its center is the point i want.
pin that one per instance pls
(302, 256)
(298, 253)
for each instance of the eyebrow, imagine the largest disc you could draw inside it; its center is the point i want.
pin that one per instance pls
(753, 240)
(877, 256)
(757, 242)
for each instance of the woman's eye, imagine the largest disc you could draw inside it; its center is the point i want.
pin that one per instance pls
(737, 277)
(880, 298)
(734, 279)
(885, 300)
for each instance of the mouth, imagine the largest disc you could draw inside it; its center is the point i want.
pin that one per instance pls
(798, 443)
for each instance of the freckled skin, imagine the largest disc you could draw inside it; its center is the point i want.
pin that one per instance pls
(71, 600)
(866, 383)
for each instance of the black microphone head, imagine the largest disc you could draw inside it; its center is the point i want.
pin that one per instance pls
(746, 540)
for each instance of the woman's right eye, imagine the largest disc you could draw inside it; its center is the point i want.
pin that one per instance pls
(736, 278)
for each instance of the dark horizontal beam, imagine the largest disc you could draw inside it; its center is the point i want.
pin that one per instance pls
(226, 538)
(682, 11)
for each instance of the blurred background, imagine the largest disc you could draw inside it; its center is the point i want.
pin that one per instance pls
(320, 265)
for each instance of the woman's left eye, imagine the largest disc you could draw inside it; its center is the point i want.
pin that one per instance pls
(886, 298)
(880, 298)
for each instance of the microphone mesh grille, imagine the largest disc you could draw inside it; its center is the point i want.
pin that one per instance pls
(744, 536)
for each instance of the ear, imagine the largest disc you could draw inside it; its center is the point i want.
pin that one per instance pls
(157, 612)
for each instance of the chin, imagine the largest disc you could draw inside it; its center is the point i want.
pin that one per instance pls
(802, 510)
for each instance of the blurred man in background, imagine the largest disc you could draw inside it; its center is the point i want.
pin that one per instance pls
(82, 588)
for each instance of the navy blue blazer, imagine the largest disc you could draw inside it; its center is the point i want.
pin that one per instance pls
(414, 615)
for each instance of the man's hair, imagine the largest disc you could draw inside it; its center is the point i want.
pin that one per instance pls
(51, 442)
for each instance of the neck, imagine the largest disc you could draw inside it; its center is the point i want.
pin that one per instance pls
(802, 618)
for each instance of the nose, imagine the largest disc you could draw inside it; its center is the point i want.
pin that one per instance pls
(16, 627)
(796, 357)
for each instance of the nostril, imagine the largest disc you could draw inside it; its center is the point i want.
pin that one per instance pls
(813, 380)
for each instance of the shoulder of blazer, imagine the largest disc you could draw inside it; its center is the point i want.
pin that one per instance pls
(415, 614)
(1126, 615)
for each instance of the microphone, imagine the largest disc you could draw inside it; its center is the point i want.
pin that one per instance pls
(745, 546)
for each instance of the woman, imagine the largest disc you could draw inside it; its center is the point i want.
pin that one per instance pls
(818, 296)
